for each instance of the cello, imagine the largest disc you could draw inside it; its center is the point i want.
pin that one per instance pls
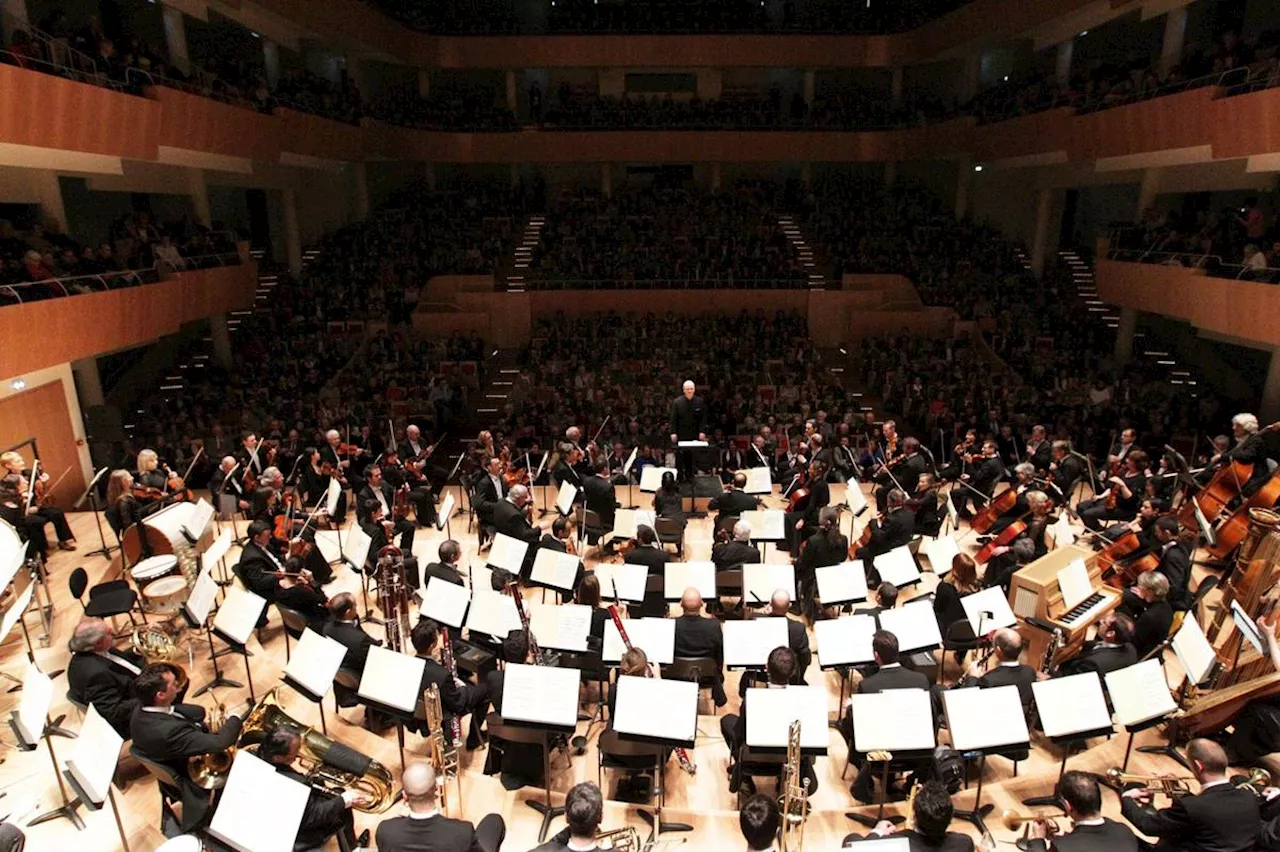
(1120, 563)
(987, 515)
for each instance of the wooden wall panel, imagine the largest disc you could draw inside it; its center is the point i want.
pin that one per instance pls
(41, 412)
(203, 124)
(1176, 121)
(313, 136)
(1247, 124)
(51, 112)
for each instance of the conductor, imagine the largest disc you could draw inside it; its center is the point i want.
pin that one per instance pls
(688, 423)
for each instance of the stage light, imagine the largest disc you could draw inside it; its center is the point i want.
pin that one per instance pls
(978, 168)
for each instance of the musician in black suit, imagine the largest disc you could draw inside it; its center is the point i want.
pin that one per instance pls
(1175, 561)
(1250, 448)
(700, 636)
(258, 563)
(1111, 651)
(898, 527)
(1008, 670)
(456, 698)
(100, 675)
(510, 518)
(1127, 487)
(736, 551)
(931, 815)
(342, 462)
(1220, 818)
(379, 491)
(490, 489)
(759, 819)
(827, 546)
(649, 553)
(1146, 602)
(344, 627)
(227, 481)
(906, 469)
(924, 501)
(598, 494)
(890, 674)
(981, 481)
(781, 669)
(520, 764)
(168, 733)
(734, 501)
(325, 814)
(446, 569)
(1024, 474)
(415, 459)
(688, 423)
(425, 829)
(1081, 799)
(800, 523)
(759, 454)
(583, 810)
(1065, 469)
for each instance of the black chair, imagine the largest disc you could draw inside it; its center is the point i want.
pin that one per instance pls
(613, 752)
(670, 531)
(588, 520)
(958, 639)
(754, 764)
(294, 623)
(170, 790)
(347, 679)
(702, 670)
(106, 600)
(729, 584)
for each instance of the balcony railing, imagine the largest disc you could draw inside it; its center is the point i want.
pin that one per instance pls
(76, 285)
(670, 284)
(1212, 264)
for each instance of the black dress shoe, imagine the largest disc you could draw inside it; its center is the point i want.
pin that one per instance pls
(363, 840)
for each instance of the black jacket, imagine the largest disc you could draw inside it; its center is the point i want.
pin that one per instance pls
(987, 474)
(169, 739)
(487, 495)
(1151, 621)
(1110, 836)
(893, 677)
(699, 637)
(819, 552)
(819, 498)
(689, 418)
(733, 502)
(1100, 658)
(928, 518)
(727, 555)
(1021, 676)
(445, 572)
(509, 520)
(354, 638)
(599, 498)
(898, 528)
(321, 818)
(437, 834)
(109, 687)
(1219, 819)
(257, 568)
(367, 493)
(1175, 564)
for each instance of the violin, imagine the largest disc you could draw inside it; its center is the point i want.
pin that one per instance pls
(400, 504)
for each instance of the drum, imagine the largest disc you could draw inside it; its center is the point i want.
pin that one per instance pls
(166, 531)
(148, 571)
(165, 596)
(181, 843)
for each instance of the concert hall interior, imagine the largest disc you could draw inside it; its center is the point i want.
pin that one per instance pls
(429, 425)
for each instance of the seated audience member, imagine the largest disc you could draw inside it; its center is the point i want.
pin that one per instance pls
(325, 814)
(425, 828)
(100, 675)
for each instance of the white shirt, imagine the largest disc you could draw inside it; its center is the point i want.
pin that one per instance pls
(382, 499)
(121, 662)
(497, 484)
(434, 812)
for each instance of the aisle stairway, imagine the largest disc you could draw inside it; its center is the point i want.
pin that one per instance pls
(524, 253)
(817, 280)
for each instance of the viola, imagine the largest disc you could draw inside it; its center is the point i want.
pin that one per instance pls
(987, 516)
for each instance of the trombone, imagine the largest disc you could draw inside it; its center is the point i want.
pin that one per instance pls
(1015, 820)
(1172, 786)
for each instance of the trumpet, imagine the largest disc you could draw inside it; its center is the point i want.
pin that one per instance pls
(1015, 820)
(619, 840)
(1170, 785)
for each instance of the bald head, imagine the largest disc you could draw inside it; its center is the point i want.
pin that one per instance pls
(691, 601)
(780, 602)
(420, 787)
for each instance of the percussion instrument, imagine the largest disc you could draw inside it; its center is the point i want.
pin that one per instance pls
(154, 568)
(166, 595)
(164, 532)
(181, 843)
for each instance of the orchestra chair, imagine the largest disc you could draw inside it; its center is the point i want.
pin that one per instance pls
(670, 531)
(170, 792)
(588, 521)
(347, 679)
(612, 751)
(729, 584)
(959, 639)
(754, 764)
(106, 600)
(724, 523)
(499, 729)
(294, 623)
(702, 670)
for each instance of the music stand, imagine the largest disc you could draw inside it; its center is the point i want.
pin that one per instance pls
(312, 668)
(30, 723)
(90, 772)
(1072, 709)
(1198, 660)
(626, 473)
(662, 713)
(235, 622)
(1139, 704)
(554, 712)
(842, 643)
(91, 494)
(982, 722)
(896, 724)
(766, 525)
(391, 683)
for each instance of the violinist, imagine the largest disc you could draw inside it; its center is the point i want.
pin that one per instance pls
(598, 495)
(825, 547)
(893, 529)
(560, 538)
(122, 507)
(20, 506)
(339, 456)
(1064, 469)
(668, 502)
(1127, 443)
(483, 449)
(925, 503)
(154, 482)
(298, 590)
(379, 528)
(379, 492)
(490, 489)
(366, 448)
(1039, 451)
(226, 487)
(616, 458)
(734, 501)
(980, 481)
(759, 454)
(569, 467)
(1120, 501)
(252, 458)
(907, 468)
(265, 501)
(259, 565)
(314, 483)
(846, 463)
(401, 477)
(962, 456)
(803, 519)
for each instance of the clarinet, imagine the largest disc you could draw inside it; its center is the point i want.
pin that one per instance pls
(682, 755)
(446, 659)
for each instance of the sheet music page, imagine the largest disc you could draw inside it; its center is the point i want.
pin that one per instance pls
(1140, 693)
(546, 695)
(682, 575)
(33, 703)
(844, 641)
(542, 465)
(12, 550)
(627, 578)
(748, 642)
(445, 512)
(941, 551)
(915, 626)
(239, 614)
(1074, 583)
(773, 711)
(1071, 705)
(898, 566)
(627, 521)
(480, 581)
(563, 627)
(315, 661)
(1206, 528)
(200, 518)
(555, 569)
(94, 754)
(854, 498)
(662, 709)
(691, 444)
(885, 844)
(493, 614)
(766, 524)
(631, 459)
(202, 596)
(655, 636)
(239, 818)
(565, 496)
(327, 543)
(1193, 650)
(985, 718)
(759, 481)
(952, 514)
(1063, 534)
(894, 720)
(651, 477)
(331, 498)
(217, 549)
(355, 547)
(17, 607)
(990, 600)
(507, 552)
(761, 580)
(1247, 627)
(841, 583)
(392, 678)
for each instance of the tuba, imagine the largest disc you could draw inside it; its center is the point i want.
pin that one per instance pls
(444, 755)
(794, 804)
(393, 597)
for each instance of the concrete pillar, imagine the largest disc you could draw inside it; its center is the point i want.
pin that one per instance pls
(715, 177)
(360, 190)
(14, 17)
(895, 87)
(221, 340)
(971, 81)
(1124, 335)
(1269, 411)
(49, 197)
(175, 39)
(1040, 239)
(806, 172)
(809, 86)
(1175, 31)
(271, 61)
(199, 197)
(1147, 193)
(424, 83)
(513, 94)
(1062, 73)
(964, 183)
(88, 382)
(292, 236)
(890, 173)
(606, 180)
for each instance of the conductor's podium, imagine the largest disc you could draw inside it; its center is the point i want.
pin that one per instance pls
(1034, 593)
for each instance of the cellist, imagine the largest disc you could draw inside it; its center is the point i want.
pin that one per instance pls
(1250, 448)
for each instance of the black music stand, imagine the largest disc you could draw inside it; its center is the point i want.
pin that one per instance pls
(239, 648)
(536, 734)
(68, 808)
(668, 744)
(91, 494)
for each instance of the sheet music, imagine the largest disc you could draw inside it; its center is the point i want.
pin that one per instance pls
(356, 547)
(200, 518)
(546, 695)
(885, 844)
(480, 580)
(952, 514)
(445, 511)
(203, 594)
(1193, 650)
(915, 626)
(991, 600)
(759, 480)
(567, 493)
(766, 524)
(1063, 534)
(651, 477)
(985, 718)
(679, 576)
(1206, 528)
(631, 459)
(941, 551)
(627, 521)
(898, 566)
(1073, 582)
(541, 466)
(1140, 693)
(239, 818)
(12, 549)
(239, 614)
(562, 627)
(773, 711)
(844, 641)
(555, 569)
(331, 497)
(1071, 705)
(445, 602)
(328, 545)
(392, 678)
(855, 499)
(655, 636)
(894, 720)
(495, 615)
(689, 445)
(748, 642)
(507, 552)
(841, 583)
(94, 754)
(652, 707)
(18, 606)
(33, 703)
(315, 662)
(628, 579)
(761, 580)
(1247, 627)
(218, 549)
